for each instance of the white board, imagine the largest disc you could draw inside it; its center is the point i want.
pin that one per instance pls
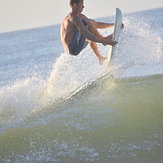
(116, 34)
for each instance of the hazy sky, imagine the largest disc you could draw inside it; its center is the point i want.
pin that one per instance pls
(24, 14)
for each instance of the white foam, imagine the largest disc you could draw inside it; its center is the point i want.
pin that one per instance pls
(69, 73)
(139, 51)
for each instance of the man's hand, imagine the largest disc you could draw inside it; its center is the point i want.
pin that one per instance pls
(108, 40)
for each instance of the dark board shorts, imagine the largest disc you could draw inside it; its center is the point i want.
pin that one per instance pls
(79, 42)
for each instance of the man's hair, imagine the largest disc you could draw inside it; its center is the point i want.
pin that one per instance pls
(73, 1)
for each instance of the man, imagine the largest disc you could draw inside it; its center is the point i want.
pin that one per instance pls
(77, 31)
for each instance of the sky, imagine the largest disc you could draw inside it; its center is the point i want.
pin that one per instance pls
(26, 14)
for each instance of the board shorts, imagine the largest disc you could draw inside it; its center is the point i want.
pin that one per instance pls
(79, 42)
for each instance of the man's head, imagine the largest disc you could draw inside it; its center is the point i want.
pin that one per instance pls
(72, 2)
(76, 2)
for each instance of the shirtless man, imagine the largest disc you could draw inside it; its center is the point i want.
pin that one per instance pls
(77, 31)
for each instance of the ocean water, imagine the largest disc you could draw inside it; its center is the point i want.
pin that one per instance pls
(59, 108)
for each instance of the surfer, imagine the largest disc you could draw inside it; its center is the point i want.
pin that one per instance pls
(77, 31)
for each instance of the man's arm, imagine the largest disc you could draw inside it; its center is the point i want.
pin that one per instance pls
(101, 25)
(84, 31)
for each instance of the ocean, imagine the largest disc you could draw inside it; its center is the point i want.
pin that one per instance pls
(58, 108)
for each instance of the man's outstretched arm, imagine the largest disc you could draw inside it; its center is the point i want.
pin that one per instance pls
(101, 25)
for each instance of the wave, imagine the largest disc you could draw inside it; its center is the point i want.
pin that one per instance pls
(80, 111)
(139, 54)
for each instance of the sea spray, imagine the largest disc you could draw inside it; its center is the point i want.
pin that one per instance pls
(139, 52)
(69, 74)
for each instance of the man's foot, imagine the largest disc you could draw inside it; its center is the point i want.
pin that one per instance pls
(101, 59)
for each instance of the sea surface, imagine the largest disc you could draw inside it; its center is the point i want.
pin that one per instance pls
(57, 108)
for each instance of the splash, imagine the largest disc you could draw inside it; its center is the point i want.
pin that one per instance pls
(18, 101)
(71, 74)
(29, 96)
(139, 51)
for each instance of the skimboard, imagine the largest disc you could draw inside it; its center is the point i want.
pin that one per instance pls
(116, 34)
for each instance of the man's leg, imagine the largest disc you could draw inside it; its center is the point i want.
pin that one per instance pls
(93, 29)
(93, 45)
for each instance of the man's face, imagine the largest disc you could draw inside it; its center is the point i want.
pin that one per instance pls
(80, 5)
